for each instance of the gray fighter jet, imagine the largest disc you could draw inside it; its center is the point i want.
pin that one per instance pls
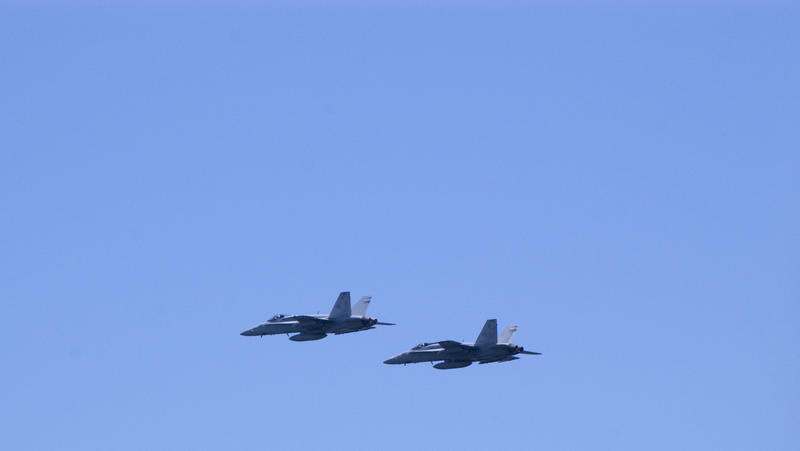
(341, 320)
(486, 349)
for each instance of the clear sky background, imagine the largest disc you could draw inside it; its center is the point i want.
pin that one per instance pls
(622, 182)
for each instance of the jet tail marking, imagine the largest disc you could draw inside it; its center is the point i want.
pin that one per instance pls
(488, 335)
(360, 309)
(341, 309)
(505, 336)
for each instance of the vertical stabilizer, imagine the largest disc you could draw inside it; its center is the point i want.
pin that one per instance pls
(341, 309)
(505, 336)
(360, 309)
(488, 336)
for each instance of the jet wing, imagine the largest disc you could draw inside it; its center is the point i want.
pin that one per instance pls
(451, 345)
(304, 319)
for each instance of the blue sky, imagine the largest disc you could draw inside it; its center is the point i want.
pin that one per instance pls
(619, 181)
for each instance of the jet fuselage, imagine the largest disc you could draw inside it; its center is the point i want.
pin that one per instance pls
(323, 325)
(434, 352)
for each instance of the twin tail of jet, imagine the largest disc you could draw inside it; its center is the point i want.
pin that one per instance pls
(341, 320)
(450, 354)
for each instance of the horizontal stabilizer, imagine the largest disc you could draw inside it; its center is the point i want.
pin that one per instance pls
(531, 353)
(380, 323)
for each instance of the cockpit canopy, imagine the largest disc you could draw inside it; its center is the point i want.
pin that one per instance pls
(278, 317)
(420, 346)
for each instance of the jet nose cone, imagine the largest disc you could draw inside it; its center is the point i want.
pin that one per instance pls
(392, 360)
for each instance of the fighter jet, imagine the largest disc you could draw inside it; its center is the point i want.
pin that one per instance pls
(486, 349)
(341, 320)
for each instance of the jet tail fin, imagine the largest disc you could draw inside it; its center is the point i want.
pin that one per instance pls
(488, 335)
(360, 309)
(341, 309)
(505, 336)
